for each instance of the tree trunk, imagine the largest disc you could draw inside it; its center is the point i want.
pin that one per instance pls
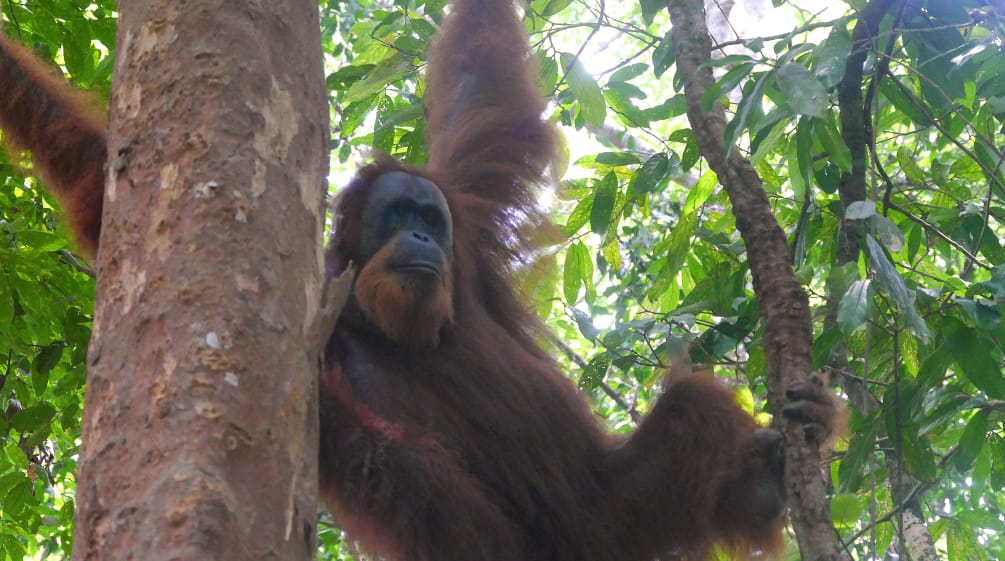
(200, 421)
(782, 304)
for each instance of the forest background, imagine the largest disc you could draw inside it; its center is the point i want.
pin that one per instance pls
(901, 252)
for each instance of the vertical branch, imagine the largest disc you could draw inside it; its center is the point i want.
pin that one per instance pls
(854, 123)
(859, 136)
(200, 419)
(782, 303)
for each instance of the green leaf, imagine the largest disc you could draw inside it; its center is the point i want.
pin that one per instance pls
(12, 546)
(919, 458)
(771, 131)
(664, 55)
(728, 60)
(671, 107)
(800, 159)
(347, 75)
(691, 154)
(747, 110)
(802, 90)
(629, 72)
(586, 90)
(824, 346)
(831, 56)
(32, 418)
(578, 272)
(46, 359)
(888, 233)
(837, 150)
(828, 177)
(603, 204)
(972, 441)
(554, 6)
(387, 72)
(617, 159)
(612, 254)
(853, 467)
(595, 371)
(585, 324)
(383, 135)
(20, 497)
(981, 518)
(983, 315)
(680, 242)
(41, 241)
(905, 102)
(966, 169)
(648, 176)
(846, 511)
(961, 545)
(619, 98)
(66, 512)
(579, 215)
(548, 70)
(981, 474)
(973, 353)
(77, 52)
(698, 194)
(860, 210)
(892, 283)
(724, 85)
(908, 163)
(650, 8)
(934, 366)
(853, 311)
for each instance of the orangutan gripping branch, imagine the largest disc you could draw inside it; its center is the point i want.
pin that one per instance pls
(447, 432)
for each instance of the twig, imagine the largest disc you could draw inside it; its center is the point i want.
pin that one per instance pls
(608, 390)
(71, 260)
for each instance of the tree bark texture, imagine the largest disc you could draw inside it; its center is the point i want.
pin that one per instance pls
(854, 125)
(856, 130)
(782, 303)
(200, 421)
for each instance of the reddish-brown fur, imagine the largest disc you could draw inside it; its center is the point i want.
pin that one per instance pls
(41, 114)
(405, 308)
(447, 432)
(520, 470)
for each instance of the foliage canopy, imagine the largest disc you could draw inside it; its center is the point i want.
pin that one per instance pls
(895, 217)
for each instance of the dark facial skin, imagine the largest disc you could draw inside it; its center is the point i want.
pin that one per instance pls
(409, 213)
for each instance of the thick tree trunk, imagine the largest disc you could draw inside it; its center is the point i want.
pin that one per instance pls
(200, 424)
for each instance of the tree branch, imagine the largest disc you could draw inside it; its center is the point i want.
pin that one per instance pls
(782, 303)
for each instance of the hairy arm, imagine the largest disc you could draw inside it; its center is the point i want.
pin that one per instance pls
(40, 113)
(484, 110)
(698, 470)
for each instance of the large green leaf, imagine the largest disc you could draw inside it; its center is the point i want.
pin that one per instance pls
(853, 310)
(587, 91)
(803, 92)
(578, 272)
(972, 441)
(603, 204)
(33, 418)
(893, 284)
(978, 361)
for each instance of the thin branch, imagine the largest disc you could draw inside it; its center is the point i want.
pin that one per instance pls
(931, 227)
(915, 492)
(608, 390)
(582, 47)
(71, 260)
